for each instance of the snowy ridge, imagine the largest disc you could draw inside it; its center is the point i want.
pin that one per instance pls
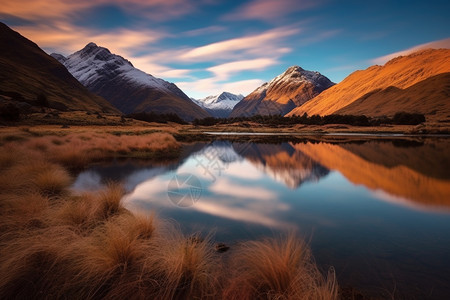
(223, 101)
(219, 106)
(92, 63)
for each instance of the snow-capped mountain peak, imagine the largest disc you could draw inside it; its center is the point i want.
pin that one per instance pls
(223, 101)
(297, 75)
(126, 87)
(93, 63)
(219, 105)
(285, 92)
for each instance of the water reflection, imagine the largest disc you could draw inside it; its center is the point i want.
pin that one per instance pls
(377, 210)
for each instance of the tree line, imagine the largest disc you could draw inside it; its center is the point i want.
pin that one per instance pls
(400, 118)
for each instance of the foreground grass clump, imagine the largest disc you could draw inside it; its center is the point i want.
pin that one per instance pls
(278, 269)
(56, 244)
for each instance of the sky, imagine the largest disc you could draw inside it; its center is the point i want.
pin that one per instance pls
(210, 46)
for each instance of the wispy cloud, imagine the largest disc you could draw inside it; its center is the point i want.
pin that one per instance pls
(68, 38)
(210, 86)
(445, 43)
(225, 209)
(233, 189)
(268, 10)
(60, 9)
(224, 71)
(204, 31)
(258, 44)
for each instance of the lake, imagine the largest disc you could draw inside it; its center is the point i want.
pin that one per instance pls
(376, 209)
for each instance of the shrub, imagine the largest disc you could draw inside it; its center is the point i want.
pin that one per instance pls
(10, 112)
(157, 118)
(403, 118)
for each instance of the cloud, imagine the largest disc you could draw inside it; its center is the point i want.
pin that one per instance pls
(210, 86)
(231, 211)
(445, 43)
(257, 44)
(268, 10)
(60, 10)
(226, 187)
(67, 38)
(204, 31)
(224, 71)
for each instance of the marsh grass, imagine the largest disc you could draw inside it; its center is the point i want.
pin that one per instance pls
(56, 244)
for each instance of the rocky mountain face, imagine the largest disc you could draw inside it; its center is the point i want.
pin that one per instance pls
(219, 106)
(415, 83)
(26, 72)
(283, 93)
(126, 87)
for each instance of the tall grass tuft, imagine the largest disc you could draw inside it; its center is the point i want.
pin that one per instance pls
(110, 264)
(190, 265)
(278, 269)
(109, 201)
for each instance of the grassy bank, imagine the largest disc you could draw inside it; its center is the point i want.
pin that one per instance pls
(56, 244)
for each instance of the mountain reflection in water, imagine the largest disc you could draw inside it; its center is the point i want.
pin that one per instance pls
(377, 210)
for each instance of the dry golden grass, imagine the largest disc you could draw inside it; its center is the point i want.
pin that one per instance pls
(55, 244)
(278, 269)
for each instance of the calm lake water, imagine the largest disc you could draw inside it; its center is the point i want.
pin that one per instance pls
(377, 210)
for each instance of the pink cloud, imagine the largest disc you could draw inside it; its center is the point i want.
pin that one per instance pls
(59, 9)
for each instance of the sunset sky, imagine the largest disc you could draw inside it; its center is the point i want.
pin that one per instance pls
(210, 46)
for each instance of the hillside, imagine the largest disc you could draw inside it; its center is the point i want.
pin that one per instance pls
(401, 73)
(27, 71)
(430, 97)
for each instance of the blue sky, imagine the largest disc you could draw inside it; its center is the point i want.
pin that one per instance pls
(209, 46)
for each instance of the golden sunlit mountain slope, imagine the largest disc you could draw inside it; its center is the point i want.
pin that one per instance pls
(430, 97)
(28, 71)
(368, 164)
(401, 72)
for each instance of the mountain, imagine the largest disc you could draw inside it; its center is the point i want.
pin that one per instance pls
(283, 93)
(26, 71)
(430, 97)
(219, 106)
(127, 88)
(399, 85)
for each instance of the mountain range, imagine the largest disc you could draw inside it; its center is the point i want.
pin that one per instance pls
(26, 72)
(94, 79)
(219, 106)
(415, 83)
(283, 93)
(126, 87)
